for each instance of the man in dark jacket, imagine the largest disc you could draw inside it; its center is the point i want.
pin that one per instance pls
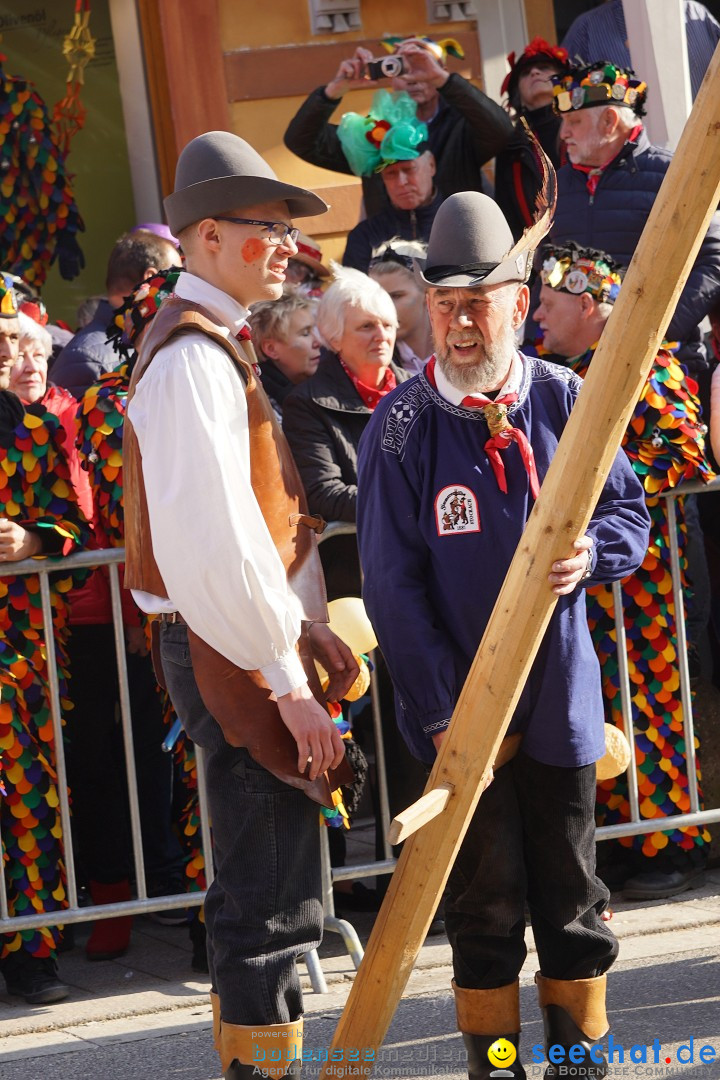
(608, 187)
(137, 256)
(414, 201)
(465, 127)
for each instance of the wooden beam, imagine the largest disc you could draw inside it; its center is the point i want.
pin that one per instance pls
(420, 813)
(666, 251)
(252, 74)
(344, 201)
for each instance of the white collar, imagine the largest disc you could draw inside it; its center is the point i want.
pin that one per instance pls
(451, 393)
(227, 311)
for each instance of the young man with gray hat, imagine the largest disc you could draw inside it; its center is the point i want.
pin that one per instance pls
(449, 468)
(221, 549)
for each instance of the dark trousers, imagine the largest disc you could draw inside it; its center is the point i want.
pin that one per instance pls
(264, 907)
(531, 840)
(96, 763)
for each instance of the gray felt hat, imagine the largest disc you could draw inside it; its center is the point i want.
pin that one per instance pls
(218, 172)
(471, 244)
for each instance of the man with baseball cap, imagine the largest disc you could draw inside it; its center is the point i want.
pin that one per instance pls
(220, 547)
(449, 468)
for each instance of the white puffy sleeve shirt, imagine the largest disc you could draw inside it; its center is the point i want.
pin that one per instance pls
(210, 541)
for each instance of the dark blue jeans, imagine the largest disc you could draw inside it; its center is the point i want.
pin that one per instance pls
(264, 907)
(531, 839)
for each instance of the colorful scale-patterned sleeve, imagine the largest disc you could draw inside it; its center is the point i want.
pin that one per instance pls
(36, 200)
(100, 420)
(34, 489)
(665, 440)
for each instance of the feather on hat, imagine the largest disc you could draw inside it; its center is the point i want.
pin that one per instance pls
(471, 243)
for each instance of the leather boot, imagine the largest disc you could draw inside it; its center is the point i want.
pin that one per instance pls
(245, 1049)
(215, 1002)
(110, 937)
(574, 1015)
(484, 1017)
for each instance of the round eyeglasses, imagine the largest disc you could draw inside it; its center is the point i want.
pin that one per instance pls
(278, 231)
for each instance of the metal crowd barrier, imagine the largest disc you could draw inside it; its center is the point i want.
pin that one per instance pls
(145, 905)
(637, 824)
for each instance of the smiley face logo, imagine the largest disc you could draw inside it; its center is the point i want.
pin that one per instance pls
(502, 1053)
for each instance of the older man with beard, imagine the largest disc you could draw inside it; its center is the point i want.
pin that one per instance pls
(450, 466)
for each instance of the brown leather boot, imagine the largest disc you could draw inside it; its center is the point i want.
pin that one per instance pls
(215, 1002)
(484, 1017)
(274, 1049)
(574, 1015)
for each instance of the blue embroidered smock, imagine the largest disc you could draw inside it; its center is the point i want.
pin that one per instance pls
(436, 539)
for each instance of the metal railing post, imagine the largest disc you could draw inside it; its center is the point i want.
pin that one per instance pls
(125, 712)
(56, 714)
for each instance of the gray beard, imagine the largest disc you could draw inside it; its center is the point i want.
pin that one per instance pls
(487, 374)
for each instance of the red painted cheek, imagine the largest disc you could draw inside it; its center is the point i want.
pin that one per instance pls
(252, 249)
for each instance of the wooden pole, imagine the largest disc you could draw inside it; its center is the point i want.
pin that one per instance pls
(592, 437)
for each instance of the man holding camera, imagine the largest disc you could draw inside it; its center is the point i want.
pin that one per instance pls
(393, 143)
(465, 127)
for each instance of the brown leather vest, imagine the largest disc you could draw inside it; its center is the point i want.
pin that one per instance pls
(240, 700)
(273, 473)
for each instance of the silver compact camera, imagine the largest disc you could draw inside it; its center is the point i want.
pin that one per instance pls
(385, 67)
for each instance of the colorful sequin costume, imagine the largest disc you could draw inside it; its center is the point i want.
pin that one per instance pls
(35, 489)
(39, 219)
(665, 445)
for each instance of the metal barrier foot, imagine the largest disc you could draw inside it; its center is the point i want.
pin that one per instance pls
(348, 933)
(317, 979)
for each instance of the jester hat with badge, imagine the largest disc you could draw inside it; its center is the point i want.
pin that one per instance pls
(577, 270)
(598, 84)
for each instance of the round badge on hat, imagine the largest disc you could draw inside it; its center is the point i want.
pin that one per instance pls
(576, 282)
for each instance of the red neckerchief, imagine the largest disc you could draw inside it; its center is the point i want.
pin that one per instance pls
(594, 172)
(503, 435)
(371, 395)
(244, 334)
